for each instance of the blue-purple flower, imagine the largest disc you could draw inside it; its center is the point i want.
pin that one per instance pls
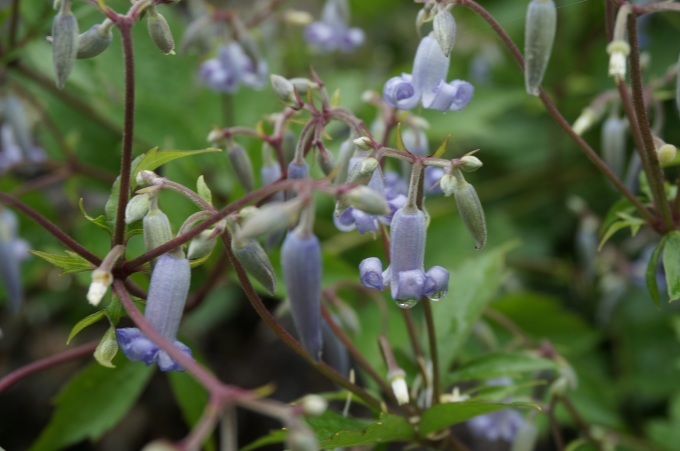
(407, 278)
(500, 425)
(168, 291)
(332, 32)
(427, 84)
(12, 252)
(232, 68)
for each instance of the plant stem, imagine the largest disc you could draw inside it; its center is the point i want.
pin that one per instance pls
(580, 421)
(555, 113)
(434, 354)
(655, 177)
(125, 27)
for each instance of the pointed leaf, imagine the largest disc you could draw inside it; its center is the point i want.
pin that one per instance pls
(92, 403)
(389, 428)
(70, 263)
(650, 273)
(155, 158)
(671, 264)
(615, 227)
(441, 150)
(501, 364)
(99, 221)
(85, 322)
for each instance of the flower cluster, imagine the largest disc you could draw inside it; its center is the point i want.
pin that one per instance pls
(427, 83)
(332, 32)
(232, 68)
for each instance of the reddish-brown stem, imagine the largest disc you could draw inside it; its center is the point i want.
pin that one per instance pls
(434, 353)
(48, 362)
(50, 227)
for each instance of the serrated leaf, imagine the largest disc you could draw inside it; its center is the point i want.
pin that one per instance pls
(191, 397)
(353, 432)
(99, 221)
(107, 348)
(70, 263)
(399, 138)
(650, 273)
(92, 402)
(671, 264)
(441, 150)
(443, 416)
(84, 323)
(501, 364)
(155, 158)
(203, 190)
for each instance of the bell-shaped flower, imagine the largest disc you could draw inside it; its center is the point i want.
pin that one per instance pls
(12, 252)
(332, 32)
(427, 84)
(500, 425)
(231, 68)
(168, 291)
(406, 275)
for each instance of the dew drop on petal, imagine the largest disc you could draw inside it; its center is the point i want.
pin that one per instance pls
(406, 303)
(439, 295)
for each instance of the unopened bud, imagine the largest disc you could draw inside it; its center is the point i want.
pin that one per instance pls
(283, 88)
(362, 172)
(301, 438)
(64, 45)
(444, 27)
(344, 156)
(364, 143)
(160, 32)
(541, 21)
(470, 209)
(666, 153)
(303, 85)
(366, 199)
(399, 387)
(101, 281)
(95, 40)
(202, 245)
(215, 136)
(470, 163)
(295, 17)
(618, 53)
(156, 229)
(255, 261)
(137, 208)
(268, 219)
(326, 162)
(313, 405)
(243, 168)
(148, 178)
(288, 145)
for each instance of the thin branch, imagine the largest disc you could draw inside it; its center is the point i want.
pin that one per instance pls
(434, 354)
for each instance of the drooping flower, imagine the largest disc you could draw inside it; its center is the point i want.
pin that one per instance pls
(168, 291)
(427, 84)
(500, 425)
(16, 144)
(12, 252)
(332, 32)
(232, 68)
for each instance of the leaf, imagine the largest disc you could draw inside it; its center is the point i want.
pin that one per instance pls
(621, 206)
(400, 140)
(442, 416)
(70, 263)
(191, 397)
(615, 227)
(502, 364)
(203, 190)
(388, 429)
(93, 402)
(99, 221)
(441, 150)
(154, 158)
(272, 438)
(107, 348)
(472, 287)
(671, 264)
(650, 273)
(85, 322)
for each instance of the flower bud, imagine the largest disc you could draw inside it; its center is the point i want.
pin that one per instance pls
(288, 145)
(366, 199)
(470, 163)
(137, 208)
(202, 245)
(444, 27)
(666, 153)
(270, 218)
(95, 40)
(677, 86)
(313, 405)
(364, 143)
(156, 229)
(159, 31)
(361, 171)
(283, 88)
(298, 170)
(399, 387)
(586, 120)
(541, 21)
(243, 168)
(470, 209)
(64, 44)
(301, 263)
(303, 85)
(101, 281)
(614, 143)
(326, 161)
(256, 262)
(618, 53)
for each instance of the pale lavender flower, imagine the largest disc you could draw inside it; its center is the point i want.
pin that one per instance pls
(500, 425)
(427, 83)
(332, 32)
(168, 291)
(12, 252)
(232, 68)
(301, 263)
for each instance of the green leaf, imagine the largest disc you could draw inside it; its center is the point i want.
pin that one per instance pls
(70, 263)
(442, 416)
(203, 190)
(93, 402)
(154, 158)
(621, 206)
(473, 286)
(272, 438)
(671, 264)
(351, 432)
(650, 273)
(502, 364)
(107, 348)
(100, 221)
(191, 397)
(85, 322)
(441, 150)
(615, 227)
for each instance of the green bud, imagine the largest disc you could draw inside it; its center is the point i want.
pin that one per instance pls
(159, 31)
(201, 245)
(444, 27)
(366, 199)
(64, 44)
(666, 153)
(137, 208)
(95, 40)
(361, 173)
(303, 85)
(326, 162)
(283, 88)
(243, 168)
(288, 145)
(541, 22)
(470, 209)
(364, 143)
(255, 261)
(470, 163)
(156, 228)
(268, 219)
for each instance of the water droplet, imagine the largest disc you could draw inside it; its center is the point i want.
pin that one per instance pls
(439, 295)
(406, 303)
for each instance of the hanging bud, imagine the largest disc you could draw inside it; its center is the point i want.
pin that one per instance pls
(470, 209)
(101, 281)
(399, 387)
(470, 163)
(256, 262)
(326, 161)
(269, 219)
(666, 153)
(156, 229)
(137, 208)
(301, 437)
(677, 86)
(202, 245)
(366, 199)
(12, 251)
(159, 31)
(301, 263)
(444, 27)
(362, 170)
(364, 143)
(64, 42)
(243, 168)
(298, 170)
(283, 88)
(614, 143)
(541, 22)
(303, 85)
(95, 40)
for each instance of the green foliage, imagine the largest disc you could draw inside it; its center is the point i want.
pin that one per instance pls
(334, 431)
(501, 364)
(70, 263)
(155, 158)
(85, 322)
(671, 264)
